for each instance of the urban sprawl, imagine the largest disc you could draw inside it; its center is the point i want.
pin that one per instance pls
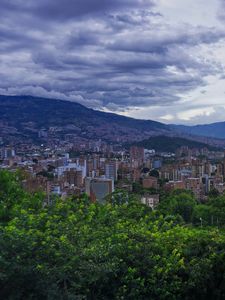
(98, 169)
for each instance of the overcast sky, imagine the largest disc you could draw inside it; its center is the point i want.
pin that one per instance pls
(162, 60)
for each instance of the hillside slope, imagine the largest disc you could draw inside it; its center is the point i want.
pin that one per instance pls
(170, 144)
(214, 130)
(25, 116)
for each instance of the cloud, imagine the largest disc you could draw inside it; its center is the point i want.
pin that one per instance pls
(115, 55)
(58, 10)
(160, 39)
(221, 10)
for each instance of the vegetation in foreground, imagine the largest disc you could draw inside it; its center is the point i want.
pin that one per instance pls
(75, 249)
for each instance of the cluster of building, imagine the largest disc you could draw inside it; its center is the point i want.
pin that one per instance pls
(72, 171)
(55, 173)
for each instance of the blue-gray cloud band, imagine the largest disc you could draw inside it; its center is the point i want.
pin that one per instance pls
(112, 54)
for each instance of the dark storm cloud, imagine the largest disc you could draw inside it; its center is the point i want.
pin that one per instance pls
(13, 42)
(70, 8)
(160, 42)
(105, 54)
(66, 9)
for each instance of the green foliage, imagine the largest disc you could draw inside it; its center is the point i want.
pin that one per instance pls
(154, 173)
(162, 182)
(179, 203)
(76, 249)
(138, 189)
(211, 213)
(51, 168)
(118, 197)
(213, 193)
(45, 174)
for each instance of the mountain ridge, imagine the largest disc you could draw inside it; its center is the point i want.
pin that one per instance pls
(213, 130)
(25, 116)
(163, 143)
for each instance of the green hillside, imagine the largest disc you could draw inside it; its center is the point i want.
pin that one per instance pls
(26, 115)
(170, 144)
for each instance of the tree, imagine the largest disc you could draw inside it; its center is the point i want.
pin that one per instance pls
(179, 203)
(154, 173)
(76, 249)
(213, 193)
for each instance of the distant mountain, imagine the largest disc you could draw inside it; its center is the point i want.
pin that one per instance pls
(214, 130)
(32, 118)
(170, 144)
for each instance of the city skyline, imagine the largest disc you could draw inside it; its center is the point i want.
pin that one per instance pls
(160, 60)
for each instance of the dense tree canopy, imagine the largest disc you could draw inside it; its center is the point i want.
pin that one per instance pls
(75, 249)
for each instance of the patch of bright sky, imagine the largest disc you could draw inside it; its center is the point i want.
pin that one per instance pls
(204, 103)
(194, 12)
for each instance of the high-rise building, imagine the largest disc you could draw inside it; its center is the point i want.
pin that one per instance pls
(157, 163)
(150, 182)
(136, 156)
(74, 177)
(98, 188)
(111, 170)
(7, 153)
